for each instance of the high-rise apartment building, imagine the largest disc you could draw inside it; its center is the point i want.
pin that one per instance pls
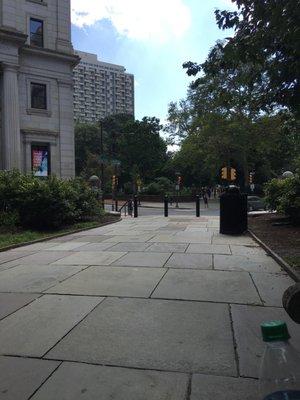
(101, 89)
(36, 87)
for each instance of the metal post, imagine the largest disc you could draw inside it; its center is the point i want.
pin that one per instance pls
(197, 205)
(116, 205)
(135, 207)
(166, 201)
(102, 165)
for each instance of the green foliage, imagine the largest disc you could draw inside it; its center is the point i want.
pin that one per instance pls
(267, 40)
(9, 221)
(273, 192)
(267, 32)
(284, 196)
(160, 186)
(131, 149)
(46, 203)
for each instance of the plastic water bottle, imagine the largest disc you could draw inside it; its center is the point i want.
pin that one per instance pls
(280, 368)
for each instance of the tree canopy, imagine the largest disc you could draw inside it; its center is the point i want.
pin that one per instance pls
(241, 110)
(131, 148)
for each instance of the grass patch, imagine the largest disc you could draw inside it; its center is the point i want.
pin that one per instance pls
(25, 236)
(294, 261)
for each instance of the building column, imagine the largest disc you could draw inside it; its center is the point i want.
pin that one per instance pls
(11, 118)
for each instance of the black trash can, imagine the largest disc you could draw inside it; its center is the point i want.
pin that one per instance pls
(233, 212)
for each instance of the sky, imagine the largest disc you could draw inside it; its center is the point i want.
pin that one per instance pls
(151, 39)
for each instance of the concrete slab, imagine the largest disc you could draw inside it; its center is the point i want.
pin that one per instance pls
(73, 381)
(34, 278)
(208, 248)
(94, 247)
(11, 255)
(243, 240)
(107, 281)
(39, 258)
(223, 388)
(216, 286)
(36, 247)
(130, 247)
(66, 246)
(123, 239)
(246, 263)
(250, 347)
(198, 261)
(34, 329)
(90, 238)
(137, 259)
(90, 258)
(150, 334)
(180, 239)
(271, 287)
(11, 302)
(167, 247)
(245, 250)
(20, 377)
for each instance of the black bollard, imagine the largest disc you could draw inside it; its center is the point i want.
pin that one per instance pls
(197, 206)
(130, 207)
(135, 207)
(116, 205)
(166, 206)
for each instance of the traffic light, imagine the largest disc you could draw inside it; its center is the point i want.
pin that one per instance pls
(224, 173)
(179, 179)
(114, 181)
(251, 177)
(232, 174)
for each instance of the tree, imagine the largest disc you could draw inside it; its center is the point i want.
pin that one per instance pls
(131, 148)
(267, 36)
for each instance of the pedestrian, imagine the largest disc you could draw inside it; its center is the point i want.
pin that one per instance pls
(208, 192)
(205, 200)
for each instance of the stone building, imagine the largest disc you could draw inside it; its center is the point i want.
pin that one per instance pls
(36, 87)
(101, 89)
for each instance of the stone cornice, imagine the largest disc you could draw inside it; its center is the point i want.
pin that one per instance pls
(71, 58)
(39, 132)
(11, 35)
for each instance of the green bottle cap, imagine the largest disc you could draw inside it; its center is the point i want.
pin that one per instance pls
(274, 330)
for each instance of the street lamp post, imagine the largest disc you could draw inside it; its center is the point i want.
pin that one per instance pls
(102, 163)
(177, 188)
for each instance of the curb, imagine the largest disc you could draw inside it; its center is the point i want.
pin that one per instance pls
(44, 239)
(291, 272)
(170, 208)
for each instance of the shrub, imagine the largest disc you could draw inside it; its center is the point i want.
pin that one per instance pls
(160, 186)
(9, 221)
(46, 203)
(284, 196)
(273, 192)
(290, 199)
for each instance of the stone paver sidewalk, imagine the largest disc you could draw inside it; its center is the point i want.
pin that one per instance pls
(147, 309)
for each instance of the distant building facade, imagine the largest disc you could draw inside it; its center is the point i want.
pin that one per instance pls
(101, 89)
(36, 87)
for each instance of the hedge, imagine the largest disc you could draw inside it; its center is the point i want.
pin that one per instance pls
(283, 195)
(44, 204)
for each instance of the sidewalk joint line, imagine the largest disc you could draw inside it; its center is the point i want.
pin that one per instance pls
(236, 355)
(47, 378)
(167, 269)
(52, 347)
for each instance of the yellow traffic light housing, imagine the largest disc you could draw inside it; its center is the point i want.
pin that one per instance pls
(251, 177)
(232, 174)
(113, 181)
(224, 173)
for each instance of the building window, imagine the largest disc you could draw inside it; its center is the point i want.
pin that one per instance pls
(36, 32)
(38, 96)
(40, 160)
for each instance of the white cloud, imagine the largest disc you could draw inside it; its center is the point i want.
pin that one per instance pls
(155, 20)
